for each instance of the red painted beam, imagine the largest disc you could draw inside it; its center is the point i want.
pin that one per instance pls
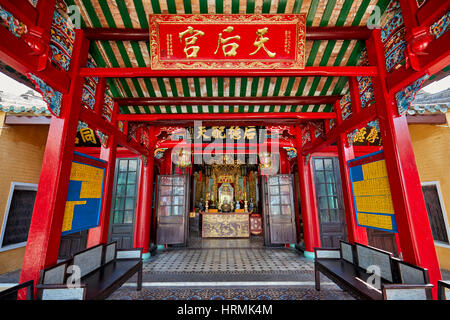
(22, 10)
(95, 121)
(228, 116)
(100, 96)
(338, 33)
(18, 55)
(354, 93)
(416, 119)
(251, 101)
(436, 57)
(355, 121)
(46, 10)
(409, 11)
(196, 146)
(431, 11)
(143, 72)
(312, 33)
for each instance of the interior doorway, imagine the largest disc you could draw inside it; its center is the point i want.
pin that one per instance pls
(330, 203)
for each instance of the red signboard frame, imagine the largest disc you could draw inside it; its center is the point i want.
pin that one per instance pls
(236, 41)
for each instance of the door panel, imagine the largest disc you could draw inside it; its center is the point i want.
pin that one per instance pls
(435, 213)
(329, 198)
(279, 208)
(265, 209)
(124, 202)
(382, 240)
(72, 243)
(172, 210)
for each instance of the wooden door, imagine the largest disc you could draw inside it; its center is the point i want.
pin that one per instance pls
(124, 202)
(435, 212)
(329, 198)
(265, 209)
(279, 210)
(72, 243)
(382, 240)
(172, 210)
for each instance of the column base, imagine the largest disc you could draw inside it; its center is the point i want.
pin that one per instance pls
(292, 245)
(309, 255)
(160, 247)
(146, 256)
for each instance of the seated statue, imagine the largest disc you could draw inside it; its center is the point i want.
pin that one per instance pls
(238, 205)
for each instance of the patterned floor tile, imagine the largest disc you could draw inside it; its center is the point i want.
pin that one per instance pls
(291, 293)
(228, 260)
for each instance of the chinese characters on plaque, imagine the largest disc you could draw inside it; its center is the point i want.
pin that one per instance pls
(86, 137)
(222, 132)
(227, 41)
(372, 193)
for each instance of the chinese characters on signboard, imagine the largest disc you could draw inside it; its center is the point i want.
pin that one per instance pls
(222, 132)
(372, 193)
(84, 196)
(227, 41)
(369, 135)
(86, 137)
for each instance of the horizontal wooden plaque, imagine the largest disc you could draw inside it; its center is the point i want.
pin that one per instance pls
(236, 41)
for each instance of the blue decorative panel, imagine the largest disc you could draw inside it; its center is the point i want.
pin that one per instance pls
(84, 197)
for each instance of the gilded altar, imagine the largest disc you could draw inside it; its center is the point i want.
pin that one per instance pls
(225, 225)
(238, 180)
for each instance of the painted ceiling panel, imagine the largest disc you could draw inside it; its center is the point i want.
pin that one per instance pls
(134, 14)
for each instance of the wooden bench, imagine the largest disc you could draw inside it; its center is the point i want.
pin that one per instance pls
(348, 265)
(103, 269)
(11, 293)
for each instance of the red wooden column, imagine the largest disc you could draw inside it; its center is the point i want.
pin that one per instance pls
(284, 163)
(143, 219)
(100, 234)
(311, 229)
(355, 233)
(46, 223)
(411, 215)
(346, 153)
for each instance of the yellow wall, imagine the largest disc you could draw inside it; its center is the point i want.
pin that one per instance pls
(21, 153)
(431, 145)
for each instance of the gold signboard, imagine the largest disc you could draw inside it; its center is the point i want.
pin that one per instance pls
(236, 41)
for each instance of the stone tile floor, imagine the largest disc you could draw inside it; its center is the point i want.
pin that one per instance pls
(286, 293)
(228, 260)
(251, 273)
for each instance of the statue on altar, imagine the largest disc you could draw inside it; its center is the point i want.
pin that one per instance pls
(226, 197)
